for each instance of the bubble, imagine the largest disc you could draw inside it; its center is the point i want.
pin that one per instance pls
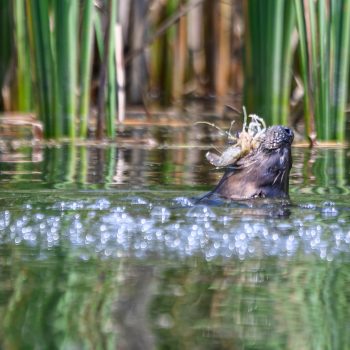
(330, 212)
(100, 204)
(139, 201)
(161, 213)
(183, 201)
(201, 212)
(138, 231)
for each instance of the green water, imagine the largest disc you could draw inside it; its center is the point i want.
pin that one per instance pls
(102, 248)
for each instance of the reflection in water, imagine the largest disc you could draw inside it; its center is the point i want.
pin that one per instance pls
(261, 303)
(102, 247)
(314, 171)
(131, 308)
(321, 171)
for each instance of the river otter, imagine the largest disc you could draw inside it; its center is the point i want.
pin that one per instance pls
(264, 172)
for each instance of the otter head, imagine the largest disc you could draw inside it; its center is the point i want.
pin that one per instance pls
(264, 172)
(276, 137)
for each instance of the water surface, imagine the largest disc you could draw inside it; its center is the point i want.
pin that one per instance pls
(101, 246)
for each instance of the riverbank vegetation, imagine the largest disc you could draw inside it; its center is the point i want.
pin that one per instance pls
(74, 63)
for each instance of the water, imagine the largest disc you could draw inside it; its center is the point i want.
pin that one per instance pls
(102, 247)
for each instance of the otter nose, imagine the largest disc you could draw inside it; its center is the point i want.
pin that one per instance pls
(289, 134)
(288, 131)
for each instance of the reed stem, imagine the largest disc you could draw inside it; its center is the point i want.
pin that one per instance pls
(324, 32)
(23, 77)
(342, 71)
(5, 45)
(66, 30)
(111, 72)
(87, 40)
(38, 19)
(268, 62)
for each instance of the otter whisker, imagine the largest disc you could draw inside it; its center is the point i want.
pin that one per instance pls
(278, 174)
(282, 177)
(249, 164)
(249, 170)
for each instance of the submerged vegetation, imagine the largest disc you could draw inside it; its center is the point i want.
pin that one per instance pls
(70, 63)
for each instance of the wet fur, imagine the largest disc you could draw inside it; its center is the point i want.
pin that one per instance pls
(262, 173)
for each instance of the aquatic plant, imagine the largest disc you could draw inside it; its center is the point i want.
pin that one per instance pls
(324, 34)
(268, 57)
(87, 39)
(5, 48)
(174, 51)
(23, 84)
(56, 39)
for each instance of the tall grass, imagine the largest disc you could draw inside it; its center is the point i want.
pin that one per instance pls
(111, 69)
(5, 46)
(107, 71)
(65, 59)
(174, 50)
(23, 79)
(268, 56)
(41, 48)
(87, 40)
(60, 54)
(324, 32)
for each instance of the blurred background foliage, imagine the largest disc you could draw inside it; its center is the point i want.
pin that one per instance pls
(75, 62)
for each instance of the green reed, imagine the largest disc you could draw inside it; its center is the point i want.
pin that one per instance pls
(268, 56)
(61, 45)
(111, 70)
(23, 79)
(41, 47)
(87, 40)
(174, 49)
(65, 56)
(324, 32)
(5, 44)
